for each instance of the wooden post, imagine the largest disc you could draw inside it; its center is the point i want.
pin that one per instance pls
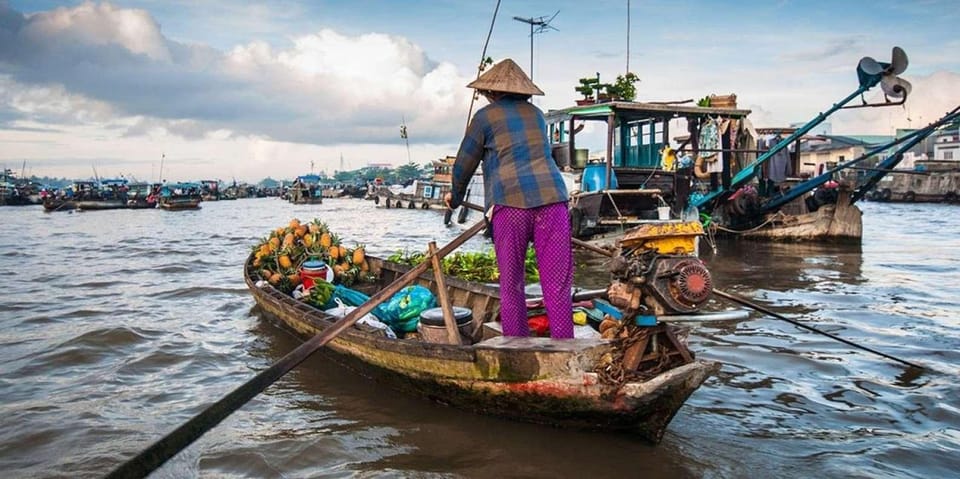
(611, 126)
(453, 334)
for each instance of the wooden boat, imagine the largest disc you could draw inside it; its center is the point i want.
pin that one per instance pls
(180, 202)
(58, 204)
(423, 194)
(612, 196)
(90, 205)
(179, 196)
(306, 190)
(719, 169)
(803, 220)
(932, 181)
(530, 379)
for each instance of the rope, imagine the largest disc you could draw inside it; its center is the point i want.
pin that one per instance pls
(771, 219)
(483, 56)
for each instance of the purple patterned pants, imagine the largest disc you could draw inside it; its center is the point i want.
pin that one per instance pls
(549, 228)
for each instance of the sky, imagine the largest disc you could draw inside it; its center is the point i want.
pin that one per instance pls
(246, 90)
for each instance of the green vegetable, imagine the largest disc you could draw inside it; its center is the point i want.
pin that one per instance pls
(479, 266)
(320, 293)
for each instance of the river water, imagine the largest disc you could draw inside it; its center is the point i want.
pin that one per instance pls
(118, 326)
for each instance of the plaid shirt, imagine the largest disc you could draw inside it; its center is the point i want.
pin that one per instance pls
(510, 137)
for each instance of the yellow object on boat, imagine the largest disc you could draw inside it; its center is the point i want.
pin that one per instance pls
(579, 317)
(665, 238)
(668, 158)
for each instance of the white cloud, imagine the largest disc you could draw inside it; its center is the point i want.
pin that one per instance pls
(100, 83)
(324, 88)
(100, 24)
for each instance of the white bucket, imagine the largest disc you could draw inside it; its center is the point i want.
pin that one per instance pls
(663, 212)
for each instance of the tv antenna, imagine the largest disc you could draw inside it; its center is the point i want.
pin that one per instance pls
(537, 25)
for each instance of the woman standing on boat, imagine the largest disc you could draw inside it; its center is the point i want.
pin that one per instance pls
(525, 196)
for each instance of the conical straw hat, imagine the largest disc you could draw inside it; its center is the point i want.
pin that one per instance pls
(506, 77)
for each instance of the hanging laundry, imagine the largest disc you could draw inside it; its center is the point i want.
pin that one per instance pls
(709, 140)
(779, 163)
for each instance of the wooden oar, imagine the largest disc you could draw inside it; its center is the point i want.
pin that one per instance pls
(154, 456)
(744, 302)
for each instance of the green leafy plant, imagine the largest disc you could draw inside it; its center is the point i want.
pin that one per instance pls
(588, 86)
(478, 266)
(623, 88)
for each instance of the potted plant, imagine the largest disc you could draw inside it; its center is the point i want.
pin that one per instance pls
(606, 92)
(587, 88)
(623, 88)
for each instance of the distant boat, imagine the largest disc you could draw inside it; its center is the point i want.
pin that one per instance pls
(180, 196)
(420, 194)
(306, 190)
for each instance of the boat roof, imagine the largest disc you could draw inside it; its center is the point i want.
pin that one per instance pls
(632, 110)
(309, 178)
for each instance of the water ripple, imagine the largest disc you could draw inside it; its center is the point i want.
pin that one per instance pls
(116, 335)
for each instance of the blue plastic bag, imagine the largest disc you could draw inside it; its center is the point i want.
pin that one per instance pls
(350, 297)
(402, 311)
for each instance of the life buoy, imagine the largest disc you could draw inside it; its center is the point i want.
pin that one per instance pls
(411, 206)
(909, 196)
(425, 206)
(875, 195)
(886, 194)
(950, 197)
(700, 169)
(736, 206)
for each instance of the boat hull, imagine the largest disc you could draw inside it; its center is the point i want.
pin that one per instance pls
(101, 205)
(530, 379)
(308, 201)
(841, 221)
(174, 203)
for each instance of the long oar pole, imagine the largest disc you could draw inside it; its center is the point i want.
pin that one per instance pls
(749, 304)
(154, 456)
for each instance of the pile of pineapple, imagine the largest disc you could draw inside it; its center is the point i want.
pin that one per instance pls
(278, 257)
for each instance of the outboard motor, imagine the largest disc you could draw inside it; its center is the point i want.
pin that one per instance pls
(657, 269)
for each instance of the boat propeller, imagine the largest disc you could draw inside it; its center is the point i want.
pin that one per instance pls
(895, 89)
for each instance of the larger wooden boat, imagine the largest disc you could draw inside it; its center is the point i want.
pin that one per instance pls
(718, 171)
(556, 382)
(611, 197)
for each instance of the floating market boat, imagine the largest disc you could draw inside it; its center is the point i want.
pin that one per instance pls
(72, 195)
(717, 173)
(180, 196)
(932, 181)
(306, 190)
(614, 196)
(422, 194)
(635, 382)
